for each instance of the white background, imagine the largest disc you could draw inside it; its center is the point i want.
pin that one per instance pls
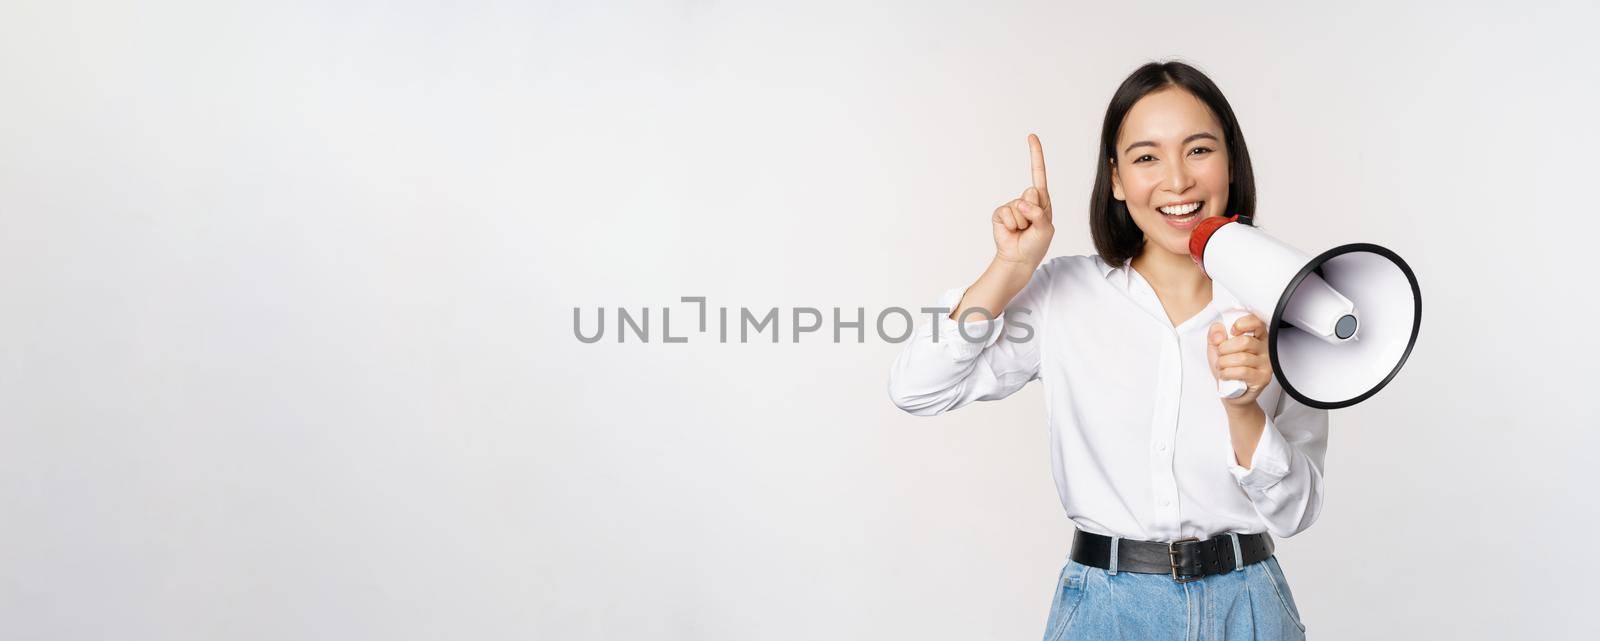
(286, 294)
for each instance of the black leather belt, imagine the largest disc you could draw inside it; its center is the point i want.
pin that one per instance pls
(1185, 559)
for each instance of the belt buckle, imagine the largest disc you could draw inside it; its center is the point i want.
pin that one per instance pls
(1172, 561)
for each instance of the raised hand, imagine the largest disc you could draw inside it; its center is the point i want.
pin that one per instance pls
(1023, 227)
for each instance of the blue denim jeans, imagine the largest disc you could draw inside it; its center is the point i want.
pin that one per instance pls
(1251, 603)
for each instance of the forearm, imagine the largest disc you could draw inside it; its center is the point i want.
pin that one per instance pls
(994, 289)
(1244, 428)
(1278, 462)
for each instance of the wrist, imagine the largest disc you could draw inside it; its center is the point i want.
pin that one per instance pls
(1013, 271)
(1009, 277)
(1246, 411)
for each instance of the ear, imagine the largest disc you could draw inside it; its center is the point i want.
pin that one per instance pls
(1116, 182)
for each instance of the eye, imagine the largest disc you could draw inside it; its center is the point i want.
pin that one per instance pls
(1199, 150)
(1142, 158)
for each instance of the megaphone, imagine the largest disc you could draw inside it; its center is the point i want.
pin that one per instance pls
(1339, 325)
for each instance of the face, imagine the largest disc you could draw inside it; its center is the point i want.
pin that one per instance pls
(1172, 167)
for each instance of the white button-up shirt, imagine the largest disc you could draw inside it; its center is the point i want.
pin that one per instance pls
(1140, 446)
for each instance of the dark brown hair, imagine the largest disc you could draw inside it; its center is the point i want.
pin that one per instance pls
(1116, 237)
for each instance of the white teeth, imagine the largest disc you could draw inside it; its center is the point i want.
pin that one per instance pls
(1180, 210)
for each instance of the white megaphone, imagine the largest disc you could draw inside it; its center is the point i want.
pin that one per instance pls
(1339, 325)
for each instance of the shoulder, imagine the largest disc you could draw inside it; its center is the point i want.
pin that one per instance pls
(1067, 268)
(1066, 276)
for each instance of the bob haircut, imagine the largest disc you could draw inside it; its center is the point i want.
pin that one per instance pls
(1116, 237)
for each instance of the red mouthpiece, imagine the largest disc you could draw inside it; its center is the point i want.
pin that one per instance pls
(1201, 234)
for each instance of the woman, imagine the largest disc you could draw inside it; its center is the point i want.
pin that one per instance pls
(1175, 492)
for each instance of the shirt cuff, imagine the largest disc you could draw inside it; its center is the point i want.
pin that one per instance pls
(1268, 465)
(978, 333)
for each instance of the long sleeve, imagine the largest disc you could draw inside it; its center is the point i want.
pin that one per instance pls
(940, 370)
(1284, 482)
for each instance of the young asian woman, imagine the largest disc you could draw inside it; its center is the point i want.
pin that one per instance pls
(1175, 492)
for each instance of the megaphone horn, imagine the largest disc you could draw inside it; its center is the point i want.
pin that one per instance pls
(1341, 324)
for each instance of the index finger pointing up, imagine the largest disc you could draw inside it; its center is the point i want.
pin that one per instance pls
(1037, 152)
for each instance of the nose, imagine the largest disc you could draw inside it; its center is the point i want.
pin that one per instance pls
(1178, 178)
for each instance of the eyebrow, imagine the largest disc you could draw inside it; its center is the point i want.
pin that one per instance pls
(1191, 138)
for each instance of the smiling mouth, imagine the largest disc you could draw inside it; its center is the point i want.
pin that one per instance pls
(1182, 212)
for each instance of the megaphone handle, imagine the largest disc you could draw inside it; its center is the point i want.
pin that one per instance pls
(1227, 388)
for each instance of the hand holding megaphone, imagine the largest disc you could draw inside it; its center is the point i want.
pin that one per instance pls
(1237, 351)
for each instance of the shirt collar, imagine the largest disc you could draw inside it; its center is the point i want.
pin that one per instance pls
(1107, 270)
(1122, 275)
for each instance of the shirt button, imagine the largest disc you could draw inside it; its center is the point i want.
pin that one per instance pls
(1161, 446)
(1165, 503)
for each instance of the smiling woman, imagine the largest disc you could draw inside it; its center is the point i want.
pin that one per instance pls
(1167, 122)
(1176, 494)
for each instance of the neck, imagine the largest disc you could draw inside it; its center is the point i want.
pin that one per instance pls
(1171, 274)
